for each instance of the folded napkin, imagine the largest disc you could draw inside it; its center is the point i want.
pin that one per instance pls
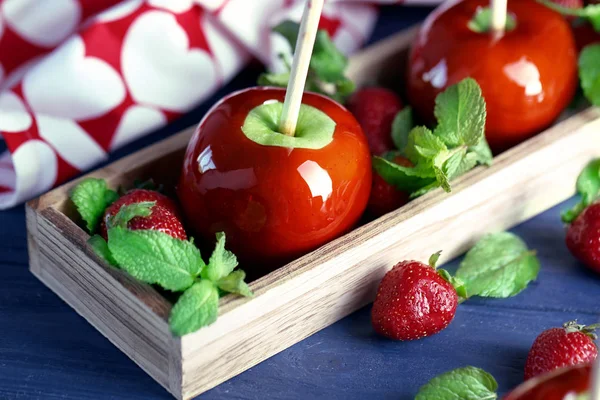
(81, 78)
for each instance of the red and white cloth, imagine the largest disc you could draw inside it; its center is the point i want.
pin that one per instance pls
(80, 78)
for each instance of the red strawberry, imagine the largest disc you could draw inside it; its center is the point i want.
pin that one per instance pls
(164, 217)
(384, 197)
(413, 301)
(375, 109)
(583, 237)
(573, 344)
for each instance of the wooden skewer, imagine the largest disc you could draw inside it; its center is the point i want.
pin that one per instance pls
(300, 64)
(499, 10)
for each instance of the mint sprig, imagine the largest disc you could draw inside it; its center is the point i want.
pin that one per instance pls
(500, 265)
(100, 247)
(326, 74)
(155, 257)
(589, 72)
(467, 383)
(454, 147)
(91, 197)
(401, 127)
(588, 187)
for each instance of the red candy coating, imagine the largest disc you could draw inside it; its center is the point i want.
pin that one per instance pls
(273, 203)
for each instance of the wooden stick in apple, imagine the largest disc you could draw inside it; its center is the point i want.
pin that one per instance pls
(499, 10)
(300, 64)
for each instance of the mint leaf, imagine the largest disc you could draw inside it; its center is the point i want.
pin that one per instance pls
(404, 178)
(423, 146)
(589, 72)
(234, 283)
(155, 257)
(461, 114)
(91, 197)
(197, 307)
(468, 383)
(221, 261)
(327, 65)
(457, 283)
(482, 21)
(482, 151)
(499, 265)
(100, 247)
(327, 62)
(128, 212)
(588, 187)
(401, 127)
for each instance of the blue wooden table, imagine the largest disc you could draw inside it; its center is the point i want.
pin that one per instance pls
(48, 352)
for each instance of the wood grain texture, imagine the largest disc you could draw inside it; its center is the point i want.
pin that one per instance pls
(318, 289)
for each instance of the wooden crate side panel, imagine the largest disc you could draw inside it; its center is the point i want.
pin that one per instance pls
(114, 309)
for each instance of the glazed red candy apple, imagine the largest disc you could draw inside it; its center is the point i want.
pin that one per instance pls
(275, 196)
(527, 76)
(562, 384)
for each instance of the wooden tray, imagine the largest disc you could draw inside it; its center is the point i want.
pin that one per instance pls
(318, 289)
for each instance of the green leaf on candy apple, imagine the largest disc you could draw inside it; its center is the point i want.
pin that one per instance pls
(100, 247)
(91, 197)
(589, 73)
(326, 70)
(401, 127)
(500, 265)
(467, 383)
(314, 129)
(588, 187)
(482, 21)
(155, 257)
(198, 306)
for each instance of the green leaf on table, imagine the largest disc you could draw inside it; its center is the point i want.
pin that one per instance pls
(468, 383)
(482, 21)
(91, 197)
(589, 73)
(461, 114)
(234, 283)
(500, 265)
(155, 257)
(100, 247)
(197, 307)
(401, 127)
(221, 261)
(588, 187)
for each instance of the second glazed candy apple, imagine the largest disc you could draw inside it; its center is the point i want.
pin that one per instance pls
(527, 76)
(275, 196)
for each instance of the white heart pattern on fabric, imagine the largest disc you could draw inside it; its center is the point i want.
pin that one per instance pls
(7, 171)
(14, 116)
(70, 141)
(36, 166)
(175, 6)
(119, 11)
(67, 84)
(135, 123)
(44, 23)
(159, 67)
(230, 55)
